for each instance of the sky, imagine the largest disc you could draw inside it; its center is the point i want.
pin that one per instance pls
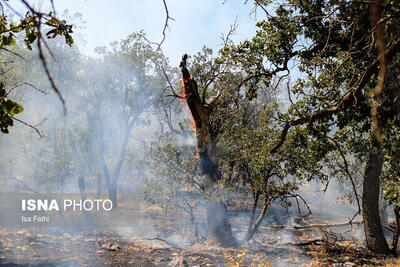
(196, 22)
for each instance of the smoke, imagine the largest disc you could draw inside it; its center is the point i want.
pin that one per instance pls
(117, 131)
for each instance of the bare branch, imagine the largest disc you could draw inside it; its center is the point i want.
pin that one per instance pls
(167, 19)
(171, 87)
(269, 73)
(15, 54)
(46, 69)
(226, 39)
(29, 125)
(347, 171)
(39, 15)
(253, 229)
(212, 100)
(45, 119)
(324, 225)
(34, 87)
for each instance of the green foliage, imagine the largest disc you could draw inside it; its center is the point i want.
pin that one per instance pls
(172, 183)
(8, 109)
(391, 176)
(30, 27)
(331, 46)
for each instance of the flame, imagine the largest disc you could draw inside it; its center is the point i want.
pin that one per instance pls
(183, 81)
(184, 96)
(186, 80)
(192, 123)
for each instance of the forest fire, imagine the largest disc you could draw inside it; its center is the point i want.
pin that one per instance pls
(190, 96)
(285, 154)
(185, 86)
(186, 92)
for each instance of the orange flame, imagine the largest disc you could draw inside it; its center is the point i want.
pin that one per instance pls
(183, 81)
(192, 123)
(184, 96)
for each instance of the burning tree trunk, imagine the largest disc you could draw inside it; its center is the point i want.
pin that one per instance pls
(217, 215)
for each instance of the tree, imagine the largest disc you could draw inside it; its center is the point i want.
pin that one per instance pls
(130, 86)
(229, 129)
(332, 43)
(217, 217)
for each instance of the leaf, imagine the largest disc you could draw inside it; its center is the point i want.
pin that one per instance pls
(16, 109)
(68, 39)
(4, 130)
(389, 194)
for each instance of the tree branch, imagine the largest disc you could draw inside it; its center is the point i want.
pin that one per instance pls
(347, 100)
(29, 125)
(18, 85)
(46, 69)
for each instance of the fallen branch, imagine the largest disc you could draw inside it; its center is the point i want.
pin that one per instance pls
(316, 225)
(325, 225)
(162, 240)
(307, 243)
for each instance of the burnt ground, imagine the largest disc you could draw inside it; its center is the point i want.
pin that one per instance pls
(100, 248)
(166, 240)
(104, 248)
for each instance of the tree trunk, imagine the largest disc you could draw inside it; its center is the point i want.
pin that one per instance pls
(374, 235)
(113, 192)
(219, 226)
(82, 191)
(110, 176)
(111, 189)
(254, 228)
(82, 188)
(217, 215)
